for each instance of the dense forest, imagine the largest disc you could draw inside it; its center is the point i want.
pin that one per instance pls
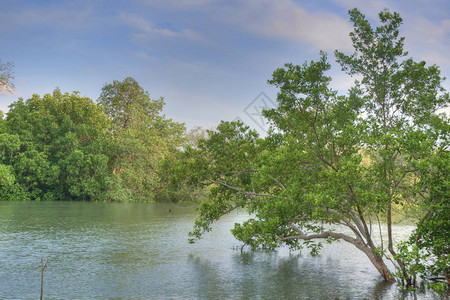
(63, 146)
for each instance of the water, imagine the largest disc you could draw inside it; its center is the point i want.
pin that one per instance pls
(140, 251)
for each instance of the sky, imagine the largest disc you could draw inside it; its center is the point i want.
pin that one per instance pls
(209, 59)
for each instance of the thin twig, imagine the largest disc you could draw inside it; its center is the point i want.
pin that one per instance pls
(43, 266)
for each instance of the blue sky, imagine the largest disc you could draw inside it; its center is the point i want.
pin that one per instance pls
(209, 59)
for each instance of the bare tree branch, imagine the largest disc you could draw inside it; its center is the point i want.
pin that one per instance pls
(323, 235)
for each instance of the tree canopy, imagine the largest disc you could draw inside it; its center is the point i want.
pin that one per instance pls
(53, 144)
(142, 137)
(333, 166)
(63, 146)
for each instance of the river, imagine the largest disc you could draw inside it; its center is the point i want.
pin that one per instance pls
(140, 251)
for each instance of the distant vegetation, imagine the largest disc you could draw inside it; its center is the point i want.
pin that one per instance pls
(66, 147)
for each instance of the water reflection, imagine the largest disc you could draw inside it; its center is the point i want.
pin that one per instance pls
(259, 275)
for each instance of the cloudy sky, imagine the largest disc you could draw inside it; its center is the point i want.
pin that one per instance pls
(209, 59)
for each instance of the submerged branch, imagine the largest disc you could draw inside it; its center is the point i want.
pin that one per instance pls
(323, 235)
(241, 191)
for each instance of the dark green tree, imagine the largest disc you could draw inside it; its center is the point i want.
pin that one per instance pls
(55, 145)
(9, 148)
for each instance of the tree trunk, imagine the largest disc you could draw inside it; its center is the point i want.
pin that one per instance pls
(447, 277)
(377, 262)
(358, 242)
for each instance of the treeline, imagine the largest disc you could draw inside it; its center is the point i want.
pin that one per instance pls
(63, 146)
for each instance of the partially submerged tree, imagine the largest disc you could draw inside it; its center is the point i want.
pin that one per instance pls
(332, 166)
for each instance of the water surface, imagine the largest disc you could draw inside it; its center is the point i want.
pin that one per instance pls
(140, 251)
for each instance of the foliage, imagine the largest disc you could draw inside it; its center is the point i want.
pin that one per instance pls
(66, 147)
(432, 234)
(194, 136)
(331, 161)
(175, 188)
(411, 257)
(9, 188)
(141, 137)
(53, 144)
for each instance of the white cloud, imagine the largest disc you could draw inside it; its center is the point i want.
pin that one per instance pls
(370, 8)
(341, 81)
(184, 4)
(429, 40)
(143, 56)
(7, 98)
(144, 25)
(71, 17)
(285, 19)
(432, 33)
(147, 29)
(279, 20)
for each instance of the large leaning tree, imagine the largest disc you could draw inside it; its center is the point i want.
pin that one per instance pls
(332, 167)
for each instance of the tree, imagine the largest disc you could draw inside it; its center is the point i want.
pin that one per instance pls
(332, 166)
(432, 233)
(176, 189)
(55, 146)
(127, 104)
(402, 125)
(6, 77)
(194, 135)
(142, 137)
(9, 188)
